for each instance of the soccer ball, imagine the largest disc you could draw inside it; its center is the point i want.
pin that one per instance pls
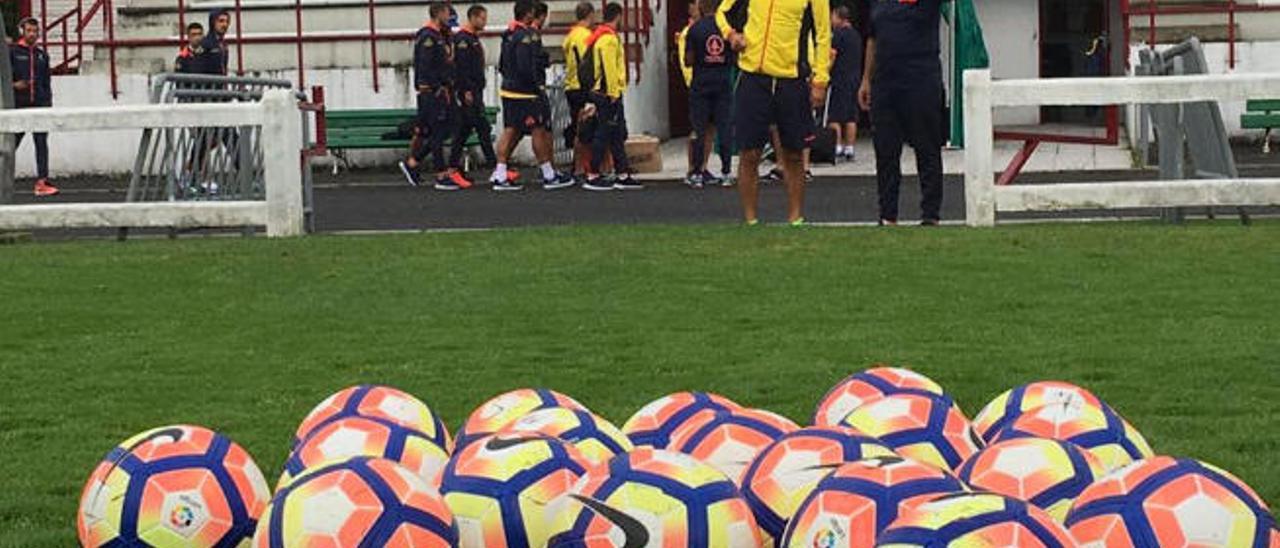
(378, 402)
(652, 497)
(1008, 406)
(368, 437)
(975, 520)
(1100, 430)
(1047, 473)
(506, 408)
(172, 486)
(788, 469)
(501, 488)
(362, 501)
(1163, 501)
(862, 388)
(925, 427)
(852, 505)
(653, 424)
(730, 440)
(598, 439)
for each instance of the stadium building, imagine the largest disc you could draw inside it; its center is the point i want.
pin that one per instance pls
(107, 50)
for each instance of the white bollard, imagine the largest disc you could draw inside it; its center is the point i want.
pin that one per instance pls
(979, 178)
(282, 174)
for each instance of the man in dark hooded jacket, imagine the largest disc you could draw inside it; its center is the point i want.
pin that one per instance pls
(32, 88)
(213, 54)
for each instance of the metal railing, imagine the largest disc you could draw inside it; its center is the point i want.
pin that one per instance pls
(1152, 9)
(67, 34)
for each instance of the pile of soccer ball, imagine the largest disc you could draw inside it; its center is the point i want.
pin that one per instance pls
(889, 460)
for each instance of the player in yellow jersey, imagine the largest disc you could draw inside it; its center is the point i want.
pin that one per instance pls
(575, 47)
(779, 86)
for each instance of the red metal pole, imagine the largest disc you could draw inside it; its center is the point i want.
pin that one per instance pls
(79, 32)
(44, 25)
(182, 18)
(239, 45)
(1128, 30)
(322, 127)
(110, 19)
(1231, 34)
(373, 46)
(1151, 23)
(297, 30)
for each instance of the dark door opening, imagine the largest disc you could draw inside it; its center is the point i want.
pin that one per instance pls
(1073, 43)
(677, 92)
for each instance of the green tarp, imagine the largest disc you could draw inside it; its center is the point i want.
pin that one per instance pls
(968, 51)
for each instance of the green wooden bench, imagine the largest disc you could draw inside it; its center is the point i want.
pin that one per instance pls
(367, 129)
(1264, 115)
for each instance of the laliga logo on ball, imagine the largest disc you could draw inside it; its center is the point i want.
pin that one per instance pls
(826, 538)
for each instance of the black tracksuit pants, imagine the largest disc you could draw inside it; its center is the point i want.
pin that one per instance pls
(433, 127)
(908, 114)
(472, 118)
(610, 135)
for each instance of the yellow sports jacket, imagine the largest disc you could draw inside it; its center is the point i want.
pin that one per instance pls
(611, 61)
(773, 32)
(685, 69)
(575, 46)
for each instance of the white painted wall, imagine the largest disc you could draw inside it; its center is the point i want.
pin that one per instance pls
(1012, 29)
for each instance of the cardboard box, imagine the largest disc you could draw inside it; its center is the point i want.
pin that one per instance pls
(644, 152)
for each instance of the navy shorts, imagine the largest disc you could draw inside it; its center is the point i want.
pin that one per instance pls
(526, 115)
(842, 105)
(764, 101)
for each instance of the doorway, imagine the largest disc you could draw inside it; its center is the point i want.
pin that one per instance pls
(1075, 41)
(677, 92)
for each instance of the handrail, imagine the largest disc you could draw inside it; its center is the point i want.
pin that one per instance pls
(1230, 8)
(636, 29)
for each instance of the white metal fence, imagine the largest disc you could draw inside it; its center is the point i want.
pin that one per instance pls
(278, 115)
(983, 199)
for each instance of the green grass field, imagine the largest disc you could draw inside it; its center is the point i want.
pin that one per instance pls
(1177, 327)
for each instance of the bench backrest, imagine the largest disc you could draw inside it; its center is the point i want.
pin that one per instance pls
(1263, 105)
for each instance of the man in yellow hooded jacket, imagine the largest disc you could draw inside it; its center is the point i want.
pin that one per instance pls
(610, 83)
(779, 86)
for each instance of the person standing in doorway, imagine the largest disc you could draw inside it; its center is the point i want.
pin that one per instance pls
(710, 96)
(33, 88)
(902, 87)
(432, 76)
(605, 51)
(846, 71)
(779, 87)
(469, 84)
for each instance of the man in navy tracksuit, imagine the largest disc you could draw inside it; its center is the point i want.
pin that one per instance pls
(710, 94)
(213, 55)
(902, 87)
(32, 88)
(187, 54)
(433, 79)
(468, 83)
(523, 64)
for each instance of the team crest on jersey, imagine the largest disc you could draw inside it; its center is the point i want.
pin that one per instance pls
(715, 49)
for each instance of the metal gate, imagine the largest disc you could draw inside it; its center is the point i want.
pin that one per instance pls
(208, 163)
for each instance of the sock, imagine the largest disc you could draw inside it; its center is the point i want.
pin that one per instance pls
(548, 171)
(499, 172)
